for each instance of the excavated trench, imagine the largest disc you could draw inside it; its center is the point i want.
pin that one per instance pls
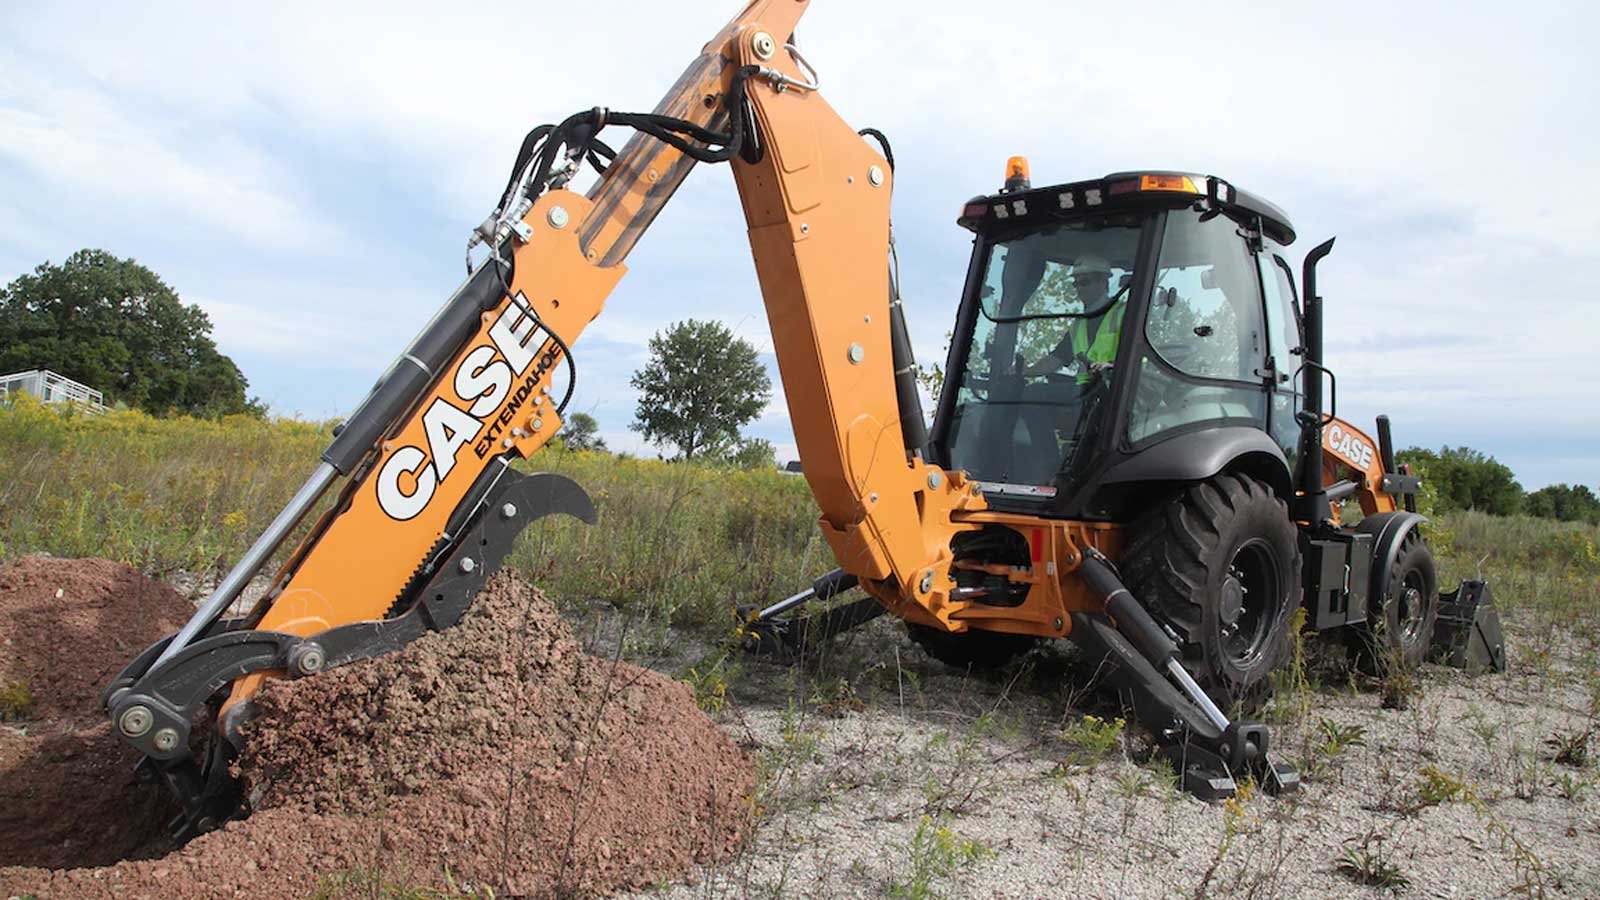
(495, 755)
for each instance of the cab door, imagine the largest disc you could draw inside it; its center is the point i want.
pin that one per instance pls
(1205, 341)
(1285, 346)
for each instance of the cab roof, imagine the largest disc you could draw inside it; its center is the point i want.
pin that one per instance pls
(1119, 191)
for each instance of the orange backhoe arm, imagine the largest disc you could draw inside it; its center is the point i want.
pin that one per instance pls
(480, 387)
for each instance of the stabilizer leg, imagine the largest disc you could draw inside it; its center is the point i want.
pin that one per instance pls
(766, 633)
(1208, 752)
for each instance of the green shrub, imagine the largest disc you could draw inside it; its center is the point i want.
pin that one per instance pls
(1092, 738)
(1435, 786)
(936, 852)
(16, 700)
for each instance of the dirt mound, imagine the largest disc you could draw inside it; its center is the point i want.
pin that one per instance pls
(68, 625)
(495, 755)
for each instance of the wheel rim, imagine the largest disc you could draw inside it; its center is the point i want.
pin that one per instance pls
(1409, 605)
(1250, 593)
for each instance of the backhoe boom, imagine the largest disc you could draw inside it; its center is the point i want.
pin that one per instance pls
(426, 457)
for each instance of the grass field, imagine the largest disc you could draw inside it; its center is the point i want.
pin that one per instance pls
(682, 543)
(679, 542)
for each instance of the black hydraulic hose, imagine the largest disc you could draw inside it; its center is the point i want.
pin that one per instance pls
(579, 134)
(883, 142)
(572, 367)
(530, 145)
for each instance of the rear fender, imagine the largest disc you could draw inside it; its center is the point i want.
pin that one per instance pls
(1199, 455)
(1388, 530)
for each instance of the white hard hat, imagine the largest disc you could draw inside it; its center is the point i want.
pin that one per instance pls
(1091, 264)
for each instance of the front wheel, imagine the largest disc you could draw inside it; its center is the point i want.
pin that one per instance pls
(1221, 564)
(1401, 628)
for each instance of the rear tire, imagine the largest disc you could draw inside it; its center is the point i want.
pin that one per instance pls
(971, 649)
(1401, 630)
(1221, 564)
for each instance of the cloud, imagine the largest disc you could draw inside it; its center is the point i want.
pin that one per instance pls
(81, 139)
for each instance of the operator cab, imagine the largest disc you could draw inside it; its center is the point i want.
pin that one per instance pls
(1141, 316)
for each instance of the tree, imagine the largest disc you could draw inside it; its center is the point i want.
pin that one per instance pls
(699, 387)
(116, 326)
(1465, 478)
(754, 453)
(582, 432)
(1568, 503)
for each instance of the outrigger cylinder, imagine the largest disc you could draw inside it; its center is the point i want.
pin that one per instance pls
(1144, 632)
(825, 587)
(397, 390)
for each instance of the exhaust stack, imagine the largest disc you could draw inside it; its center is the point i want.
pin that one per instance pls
(1311, 501)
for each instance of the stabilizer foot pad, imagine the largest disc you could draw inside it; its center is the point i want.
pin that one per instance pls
(1279, 778)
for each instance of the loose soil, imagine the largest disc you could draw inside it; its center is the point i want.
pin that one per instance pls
(494, 756)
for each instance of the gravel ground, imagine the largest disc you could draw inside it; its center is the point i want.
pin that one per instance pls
(886, 772)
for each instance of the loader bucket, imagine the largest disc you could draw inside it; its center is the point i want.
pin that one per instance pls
(1468, 634)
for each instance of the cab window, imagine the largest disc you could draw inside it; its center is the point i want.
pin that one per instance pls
(1283, 343)
(1204, 332)
(1205, 314)
(1036, 372)
(1283, 316)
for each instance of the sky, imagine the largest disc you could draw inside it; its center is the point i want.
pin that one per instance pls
(308, 173)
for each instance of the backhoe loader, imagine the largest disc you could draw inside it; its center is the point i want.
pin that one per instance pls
(1130, 448)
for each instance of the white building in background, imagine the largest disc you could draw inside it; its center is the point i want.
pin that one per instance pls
(50, 388)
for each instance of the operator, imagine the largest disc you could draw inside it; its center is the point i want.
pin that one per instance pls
(1089, 340)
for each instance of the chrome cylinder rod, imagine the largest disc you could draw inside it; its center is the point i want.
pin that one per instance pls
(228, 590)
(1200, 698)
(783, 606)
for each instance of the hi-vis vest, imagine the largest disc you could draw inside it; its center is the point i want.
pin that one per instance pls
(1103, 347)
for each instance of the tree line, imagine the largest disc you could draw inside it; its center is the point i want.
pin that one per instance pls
(115, 326)
(1461, 478)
